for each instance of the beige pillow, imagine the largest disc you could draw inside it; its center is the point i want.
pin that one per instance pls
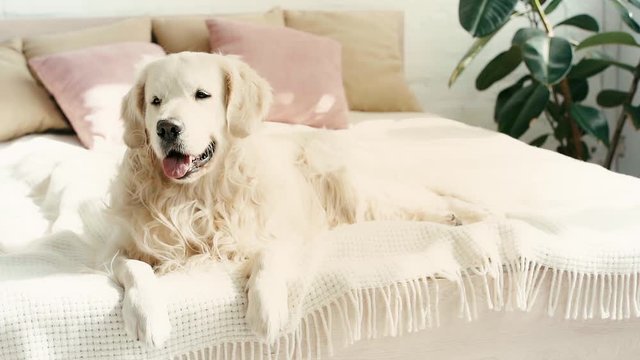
(190, 33)
(135, 29)
(25, 106)
(130, 30)
(372, 59)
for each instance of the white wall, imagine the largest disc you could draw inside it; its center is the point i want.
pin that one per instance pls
(434, 44)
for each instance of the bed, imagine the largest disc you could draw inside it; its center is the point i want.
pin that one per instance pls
(52, 310)
(556, 277)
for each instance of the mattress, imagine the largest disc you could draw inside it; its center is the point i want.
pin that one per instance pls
(356, 117)
(491, 335)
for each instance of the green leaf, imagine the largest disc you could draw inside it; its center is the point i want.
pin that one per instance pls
(522, 35)
(583, 21)
(586, 68)
(579, 89)
(539, 141)
(611, 98)
(634, 113)
(499, 67)
(524, 106)
(483, 17)
(626, 16)
(603, 57)
(555, 110)
(473, 51)
(608, 38)
(592, 121)
(548, 59)
(507, 93)
(552, 6)
(471, 54)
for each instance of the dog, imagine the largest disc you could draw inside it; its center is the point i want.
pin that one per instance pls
(201, 180)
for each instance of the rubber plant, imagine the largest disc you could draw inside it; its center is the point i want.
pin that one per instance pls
(555, 84)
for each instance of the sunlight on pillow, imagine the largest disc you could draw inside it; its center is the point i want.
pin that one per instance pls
(99, 101)
(325, 104)
(304, 70)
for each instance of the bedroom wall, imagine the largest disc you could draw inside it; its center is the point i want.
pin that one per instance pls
(434, 43)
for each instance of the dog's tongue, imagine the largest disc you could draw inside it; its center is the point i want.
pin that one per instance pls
(176, 167)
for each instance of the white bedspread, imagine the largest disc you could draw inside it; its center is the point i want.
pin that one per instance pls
(571, 227)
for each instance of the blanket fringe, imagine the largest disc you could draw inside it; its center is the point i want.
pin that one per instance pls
(413, 305)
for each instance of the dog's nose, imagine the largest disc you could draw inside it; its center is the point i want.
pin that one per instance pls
(168, 130)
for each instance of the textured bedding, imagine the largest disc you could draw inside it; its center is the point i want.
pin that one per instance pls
(565, 240)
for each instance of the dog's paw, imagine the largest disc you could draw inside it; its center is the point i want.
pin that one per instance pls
(453, 220)
(267, 308)
(145, 317)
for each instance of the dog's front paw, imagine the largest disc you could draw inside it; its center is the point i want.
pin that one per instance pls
(145, 317)
(267, 309)
(453, 220)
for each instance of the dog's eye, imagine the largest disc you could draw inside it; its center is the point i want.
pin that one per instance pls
(201, 94)
(156, 101)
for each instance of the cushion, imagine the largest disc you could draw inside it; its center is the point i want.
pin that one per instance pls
(135, 29)
(25, 106)
(90, 95)
(372, 59)
(189, 33)
(304, 70)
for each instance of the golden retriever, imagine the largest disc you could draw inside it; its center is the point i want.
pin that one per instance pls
(202, 181)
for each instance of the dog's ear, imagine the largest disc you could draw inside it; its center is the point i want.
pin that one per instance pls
(133, 108)
(248, 97)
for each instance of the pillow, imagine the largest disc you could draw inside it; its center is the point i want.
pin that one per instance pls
(304, 70)
(372, 59)
(25, 106)
(89, 85)
(189, 33)
(130, 30)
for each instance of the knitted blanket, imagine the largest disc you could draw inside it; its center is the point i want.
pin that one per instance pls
(567, 226)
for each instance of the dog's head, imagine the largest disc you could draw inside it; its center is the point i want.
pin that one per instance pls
(188, 106)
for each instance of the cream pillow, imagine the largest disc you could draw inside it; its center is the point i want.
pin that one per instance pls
(190, 33)
(135, 29)
(372, 59)
(25, 106)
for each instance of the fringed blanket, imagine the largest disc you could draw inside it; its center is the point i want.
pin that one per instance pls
(570, 228)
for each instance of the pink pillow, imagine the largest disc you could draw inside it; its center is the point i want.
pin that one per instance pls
(89, 84)
(304, 70)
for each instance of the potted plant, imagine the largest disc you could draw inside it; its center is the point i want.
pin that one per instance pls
(555, 84)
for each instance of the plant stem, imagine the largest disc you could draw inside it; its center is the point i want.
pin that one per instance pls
(575, 131)
(622, 119)
(549, 120)
(557, 101)
(547, 26)
(564, 88)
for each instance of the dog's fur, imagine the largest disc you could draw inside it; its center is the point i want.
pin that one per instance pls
(261, 199)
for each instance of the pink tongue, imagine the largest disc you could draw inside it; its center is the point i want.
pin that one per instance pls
(176, 167)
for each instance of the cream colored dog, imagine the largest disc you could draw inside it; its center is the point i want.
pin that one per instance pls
(200, 180)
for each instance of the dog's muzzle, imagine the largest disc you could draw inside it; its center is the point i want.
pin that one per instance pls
(178, 165)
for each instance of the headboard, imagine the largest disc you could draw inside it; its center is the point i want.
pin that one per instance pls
(26, 27)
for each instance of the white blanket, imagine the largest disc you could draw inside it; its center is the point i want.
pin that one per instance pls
(569, 226)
